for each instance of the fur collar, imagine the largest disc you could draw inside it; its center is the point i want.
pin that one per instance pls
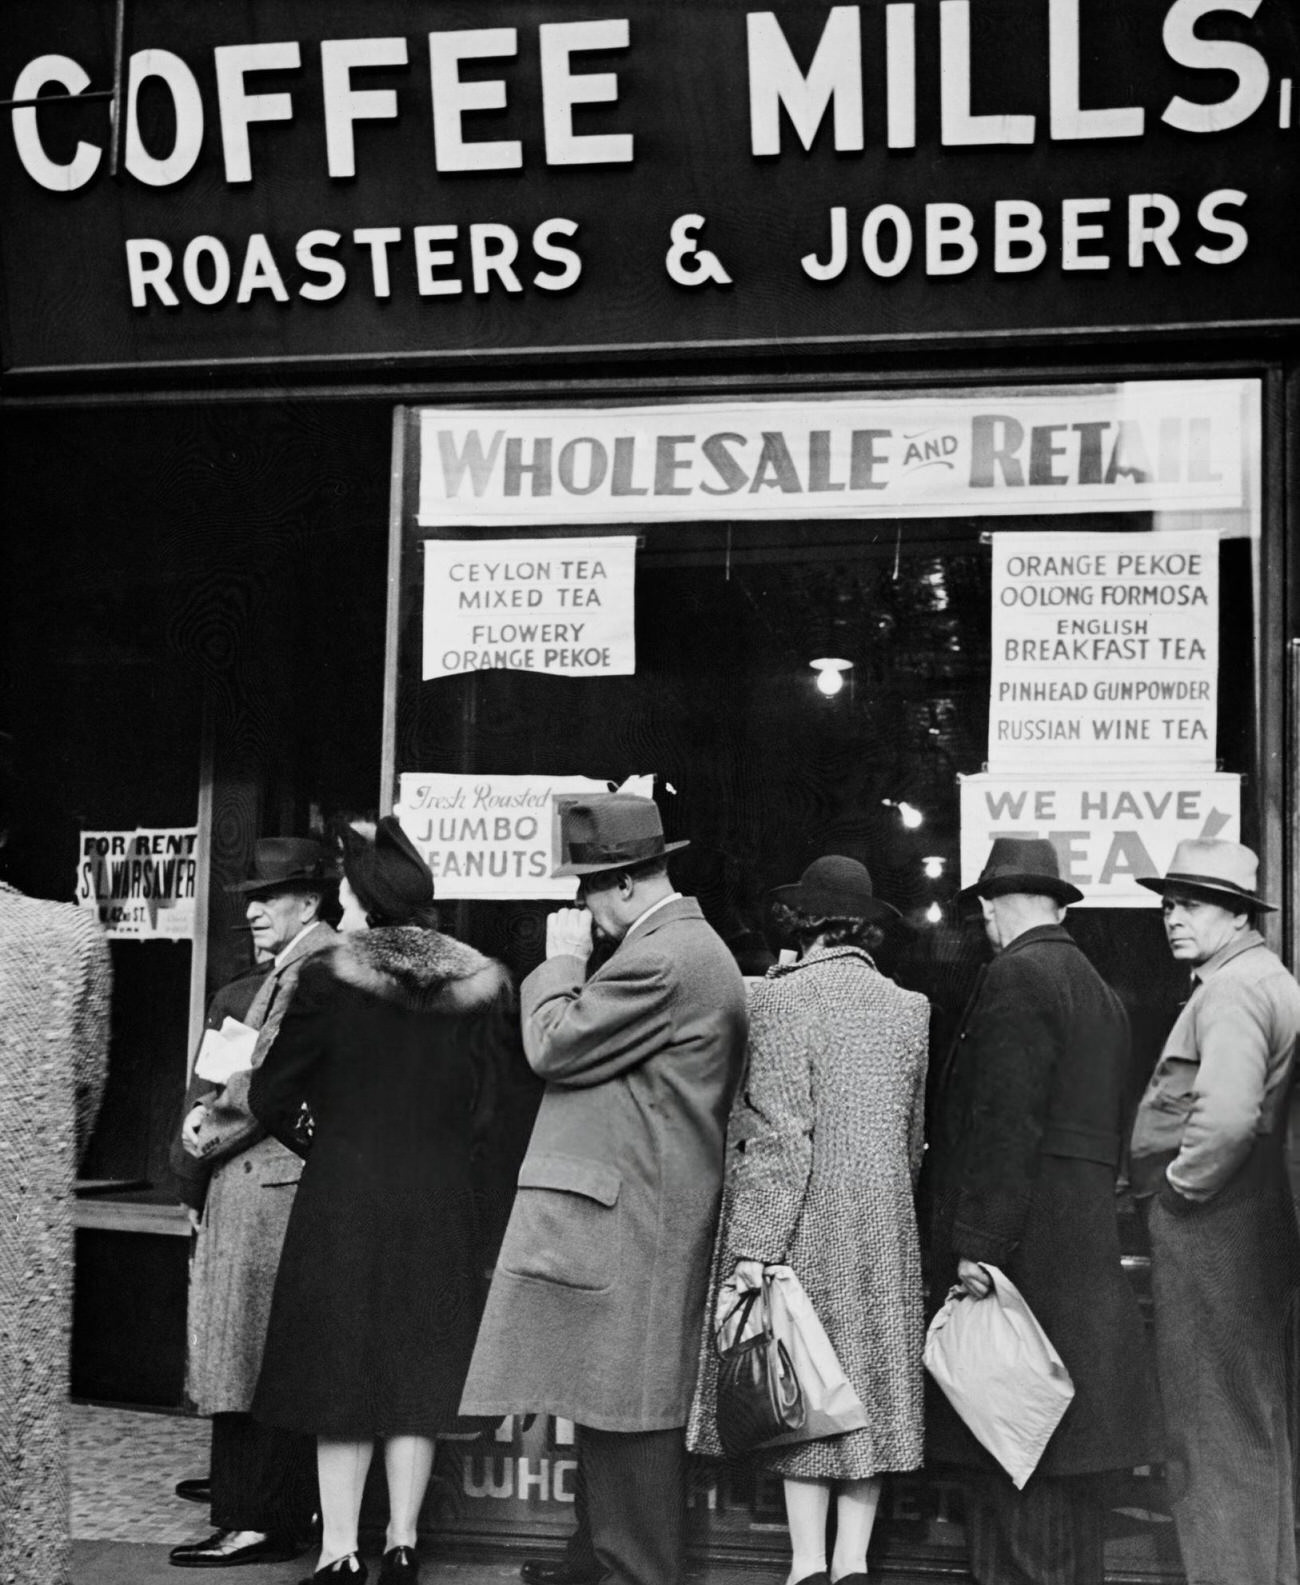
(419, 969)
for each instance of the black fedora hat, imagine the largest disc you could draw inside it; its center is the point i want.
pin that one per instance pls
(610, 831)
(1221, 872)
(1022, 864)
(835, 887)
(280, 863)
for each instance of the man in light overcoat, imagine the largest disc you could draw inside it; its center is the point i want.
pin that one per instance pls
(594, 1310)
(262, 1479)
(1020, 1174)
(1208, 1162)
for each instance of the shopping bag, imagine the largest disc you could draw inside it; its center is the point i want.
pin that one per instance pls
(998, 1369)
(758, 1392)
(831, 1406)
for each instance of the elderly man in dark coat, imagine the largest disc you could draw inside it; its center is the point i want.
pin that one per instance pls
(1209, 1163)
(1021, 1174)
(262, 1479)
(595, 1306)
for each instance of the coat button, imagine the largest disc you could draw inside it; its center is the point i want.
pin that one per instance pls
(248, 1166)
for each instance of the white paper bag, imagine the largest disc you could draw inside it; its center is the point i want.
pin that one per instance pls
(831, 1406)
(226, 1051)
(998, 1369)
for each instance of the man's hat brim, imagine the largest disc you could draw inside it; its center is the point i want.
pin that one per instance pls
(1209, 890)
(1032, 882)
(287, 883)
(626, 863)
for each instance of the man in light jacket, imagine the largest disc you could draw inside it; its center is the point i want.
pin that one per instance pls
(594, 1311)
(263, 1485)
(1208, 1160)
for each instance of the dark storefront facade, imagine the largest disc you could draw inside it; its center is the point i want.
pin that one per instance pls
(438, 407)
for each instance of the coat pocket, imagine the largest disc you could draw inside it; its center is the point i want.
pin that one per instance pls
(566, 1225)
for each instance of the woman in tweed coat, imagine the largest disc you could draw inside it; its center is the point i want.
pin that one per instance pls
(833, 1109)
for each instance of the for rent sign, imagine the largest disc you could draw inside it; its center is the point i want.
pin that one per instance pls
(140, 883)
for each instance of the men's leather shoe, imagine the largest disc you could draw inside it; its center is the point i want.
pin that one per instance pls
(197, 1490)
(557, 1571)
(228, 1548)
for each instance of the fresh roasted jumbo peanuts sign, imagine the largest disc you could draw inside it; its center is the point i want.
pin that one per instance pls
(1109, 830)
(1140, 446)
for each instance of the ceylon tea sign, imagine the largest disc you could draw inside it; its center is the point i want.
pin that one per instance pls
(1109, 829)
(1105, 646)
(1135, 447)
(560, 606)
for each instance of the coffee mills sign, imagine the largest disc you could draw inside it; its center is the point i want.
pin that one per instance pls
(294, 182)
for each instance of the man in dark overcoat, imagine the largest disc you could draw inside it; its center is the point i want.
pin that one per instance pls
(263, 1487)
(1021, 1174)
(1208, 1162)
(594, 1310)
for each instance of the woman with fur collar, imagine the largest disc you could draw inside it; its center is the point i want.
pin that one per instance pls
(388, 1045)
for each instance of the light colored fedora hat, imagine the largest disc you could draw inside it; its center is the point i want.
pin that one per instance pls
(1226, 873)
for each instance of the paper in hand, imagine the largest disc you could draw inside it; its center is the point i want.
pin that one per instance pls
(226, 1051)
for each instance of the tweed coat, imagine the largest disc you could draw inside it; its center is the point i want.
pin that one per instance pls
(594, 1309)
(380, 1284)
(250, 1195)
(55, 980)
(833, 1119)
(1021, 1173)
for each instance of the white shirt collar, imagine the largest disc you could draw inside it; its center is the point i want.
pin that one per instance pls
(285, 950)
(654, 908)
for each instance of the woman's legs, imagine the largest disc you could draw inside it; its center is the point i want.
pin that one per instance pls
(807, 1503)
(408, 1463)
(855, 1515)
(341, 1467)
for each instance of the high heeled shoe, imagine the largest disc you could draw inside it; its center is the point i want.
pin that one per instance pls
(400, 1566)
(346, 1570)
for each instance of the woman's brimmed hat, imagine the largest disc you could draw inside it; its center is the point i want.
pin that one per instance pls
(835, 887)
(1219, 872)
(388, 875)
(1021, 864)
(610, 831)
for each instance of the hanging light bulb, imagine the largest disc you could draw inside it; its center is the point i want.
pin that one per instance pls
(911, 817)
(934, 865)
(934, 913)
(830, 674)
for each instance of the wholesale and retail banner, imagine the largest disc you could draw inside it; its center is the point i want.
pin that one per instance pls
(140, 883)
(1104, 650)
(562, 606)
(1139, 446)
(494, 838)
(1109, 829)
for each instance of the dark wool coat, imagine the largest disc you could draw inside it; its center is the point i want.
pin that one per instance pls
(245, 1213)
(377, 1296)
(55, 986)
(594, 1309)
(1021, 1173)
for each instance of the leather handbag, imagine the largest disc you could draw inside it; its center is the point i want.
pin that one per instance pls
(759, 1396)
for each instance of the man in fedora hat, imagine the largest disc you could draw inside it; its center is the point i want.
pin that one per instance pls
(1021, 1172)
(1207, 1159)
(595, 1307)
(262, 1481)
